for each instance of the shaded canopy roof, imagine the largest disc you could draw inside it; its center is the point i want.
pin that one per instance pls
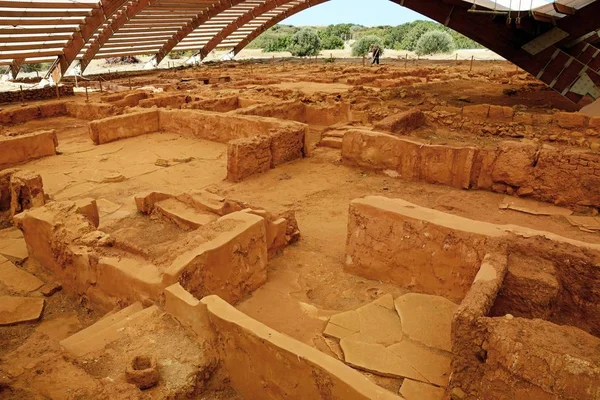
(63, 31)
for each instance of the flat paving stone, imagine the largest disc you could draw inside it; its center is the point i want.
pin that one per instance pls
(14, 310)
(427, 319)
(16, 279)
(12, 245)
(434, 365)
(413, 390)
(376, 322)
(377, 359)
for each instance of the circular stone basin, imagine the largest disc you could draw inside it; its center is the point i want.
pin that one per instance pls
(142, 372)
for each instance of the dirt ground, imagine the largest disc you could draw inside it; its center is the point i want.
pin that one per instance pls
(306, 283)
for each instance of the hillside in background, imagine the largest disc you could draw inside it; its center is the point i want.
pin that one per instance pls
(401, 37)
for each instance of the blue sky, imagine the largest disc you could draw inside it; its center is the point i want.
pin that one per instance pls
(363, 12)
(366, 12)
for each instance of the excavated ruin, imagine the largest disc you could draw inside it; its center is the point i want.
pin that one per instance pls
(295, 230)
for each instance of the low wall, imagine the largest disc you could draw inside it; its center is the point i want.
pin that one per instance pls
(287, 139)
(18, 149)
(44, 93)
(437, 253)
(263, 363)
(492, 270)
(565, 177)
(124, 126)
(447, 165)
(170, 101)
(324, 115)
(219, 104)
(228, 257)
(501, 121)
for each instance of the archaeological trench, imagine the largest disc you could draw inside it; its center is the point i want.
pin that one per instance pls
(296, 230)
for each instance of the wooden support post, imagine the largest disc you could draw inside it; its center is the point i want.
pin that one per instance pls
(456, 56)
(76, 83)
(22, 95)
(406, 61)
(100, 82)
(87, 97)
(471, 68)
(364, 60)
(130, 88)
(57, 92)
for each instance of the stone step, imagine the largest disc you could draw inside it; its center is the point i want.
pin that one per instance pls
(333, 142)
(106, 321)
(184, 215)
(104, 332)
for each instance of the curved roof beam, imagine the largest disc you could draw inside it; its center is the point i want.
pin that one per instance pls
(143, 26)
(185, 30)
(242, 20)
(105, 10)
(274, 21)
(117, 22)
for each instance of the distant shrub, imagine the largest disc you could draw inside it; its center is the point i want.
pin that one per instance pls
(332, 43)
(305, 42)
(277, 43)
(3, 70)
(410, 40)
(435, 42)
(363, 45)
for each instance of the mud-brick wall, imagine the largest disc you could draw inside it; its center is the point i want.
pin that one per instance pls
(44, 93)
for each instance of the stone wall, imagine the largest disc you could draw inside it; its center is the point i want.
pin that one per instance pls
(248, 156)
(429, 251)
(124, 126)
(566, 177)
(501, 121)
(542, 281)
(44, 93)
(263, 363)
(323, 115)
(409, 159)
(286, 138)
(18, 149)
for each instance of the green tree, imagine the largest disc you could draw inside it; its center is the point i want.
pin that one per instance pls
(332, 43)
(435, 42)
(277, 43)
(363, 45)
(305, 43)
(418, 29)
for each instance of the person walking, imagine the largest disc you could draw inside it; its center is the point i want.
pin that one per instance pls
(376, 54)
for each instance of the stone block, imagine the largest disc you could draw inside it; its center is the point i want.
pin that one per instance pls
(123, 126)
(501, 113)
(18, 149)
(568, 120)
(514, 164)
(231, 265)
(26, 191)
(89, 209)
(478, 111)
(246, 157)
(402, 123)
